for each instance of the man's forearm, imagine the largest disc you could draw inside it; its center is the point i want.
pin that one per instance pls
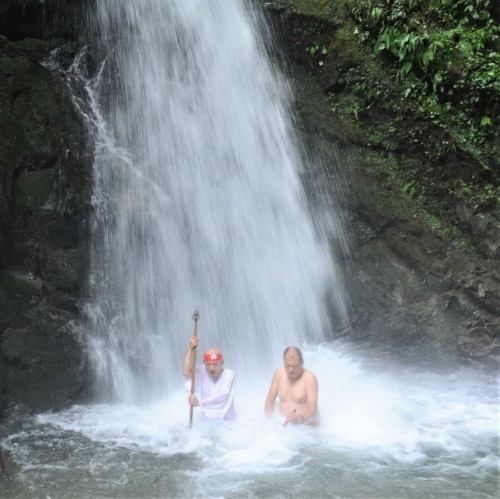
(309, 412)
(187, 364)
(269, 408)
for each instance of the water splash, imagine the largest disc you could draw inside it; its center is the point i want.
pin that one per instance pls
(393, 431)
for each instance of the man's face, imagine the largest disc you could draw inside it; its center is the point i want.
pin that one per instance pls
(293, 366)
(214, 368)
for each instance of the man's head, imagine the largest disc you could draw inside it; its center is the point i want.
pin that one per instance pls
(293, 362)
(213, 362)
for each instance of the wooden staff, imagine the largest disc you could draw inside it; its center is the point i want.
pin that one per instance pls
(196, 316)
(2, 464)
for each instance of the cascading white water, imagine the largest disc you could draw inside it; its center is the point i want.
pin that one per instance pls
(198, 202)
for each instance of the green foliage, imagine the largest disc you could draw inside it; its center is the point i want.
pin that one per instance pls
(326, 9)
(365, 232)
(486, 194)
(318, 51)
(445, 56)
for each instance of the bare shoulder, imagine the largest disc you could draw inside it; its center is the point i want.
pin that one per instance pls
(309, 376)
(279, 373)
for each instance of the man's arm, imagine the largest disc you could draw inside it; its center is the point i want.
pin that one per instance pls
(187, 365)
(272, 394)
(312, 397)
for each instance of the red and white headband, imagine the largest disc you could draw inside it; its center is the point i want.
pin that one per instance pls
(212, 357)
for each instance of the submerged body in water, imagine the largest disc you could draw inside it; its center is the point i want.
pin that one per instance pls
(297, 390)
(388, 432)
(211, 386)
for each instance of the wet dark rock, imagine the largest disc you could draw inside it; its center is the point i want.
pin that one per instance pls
(493, 330)
(44, 179)
(42, 19)
(478, 343)
(44, 365)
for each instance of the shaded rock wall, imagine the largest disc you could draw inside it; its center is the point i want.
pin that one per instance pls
(42, 19)
(44, 179)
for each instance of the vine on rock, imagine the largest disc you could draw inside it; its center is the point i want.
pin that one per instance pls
(446, 58)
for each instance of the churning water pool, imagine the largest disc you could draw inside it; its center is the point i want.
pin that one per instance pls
(387, 432)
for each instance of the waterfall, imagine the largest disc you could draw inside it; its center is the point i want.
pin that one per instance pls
(198, 203)
(197, 199)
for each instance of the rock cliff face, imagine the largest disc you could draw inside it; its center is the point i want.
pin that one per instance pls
(414, 277)
(422, 273)
(44, 172)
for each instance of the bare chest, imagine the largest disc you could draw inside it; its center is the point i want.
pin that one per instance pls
(292, 392)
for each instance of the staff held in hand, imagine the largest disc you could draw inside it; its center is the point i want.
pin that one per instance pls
(196, 316)
(213, 383)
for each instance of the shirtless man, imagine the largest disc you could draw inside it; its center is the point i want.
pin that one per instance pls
(297, 389)
(214, 384)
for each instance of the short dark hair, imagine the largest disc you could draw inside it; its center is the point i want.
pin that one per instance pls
(294, 349)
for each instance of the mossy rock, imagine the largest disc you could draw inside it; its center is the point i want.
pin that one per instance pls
(329, 10)
(18, 294)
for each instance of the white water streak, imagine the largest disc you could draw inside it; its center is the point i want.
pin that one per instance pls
(197, 198)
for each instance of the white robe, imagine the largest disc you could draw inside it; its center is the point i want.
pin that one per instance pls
(216, 399)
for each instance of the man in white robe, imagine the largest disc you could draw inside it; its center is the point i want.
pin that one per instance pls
(214, 384)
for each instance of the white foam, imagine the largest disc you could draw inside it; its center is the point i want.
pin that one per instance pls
(372, 413)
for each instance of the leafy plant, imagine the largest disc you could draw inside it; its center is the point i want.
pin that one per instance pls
(444, 53)
(318, 51)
